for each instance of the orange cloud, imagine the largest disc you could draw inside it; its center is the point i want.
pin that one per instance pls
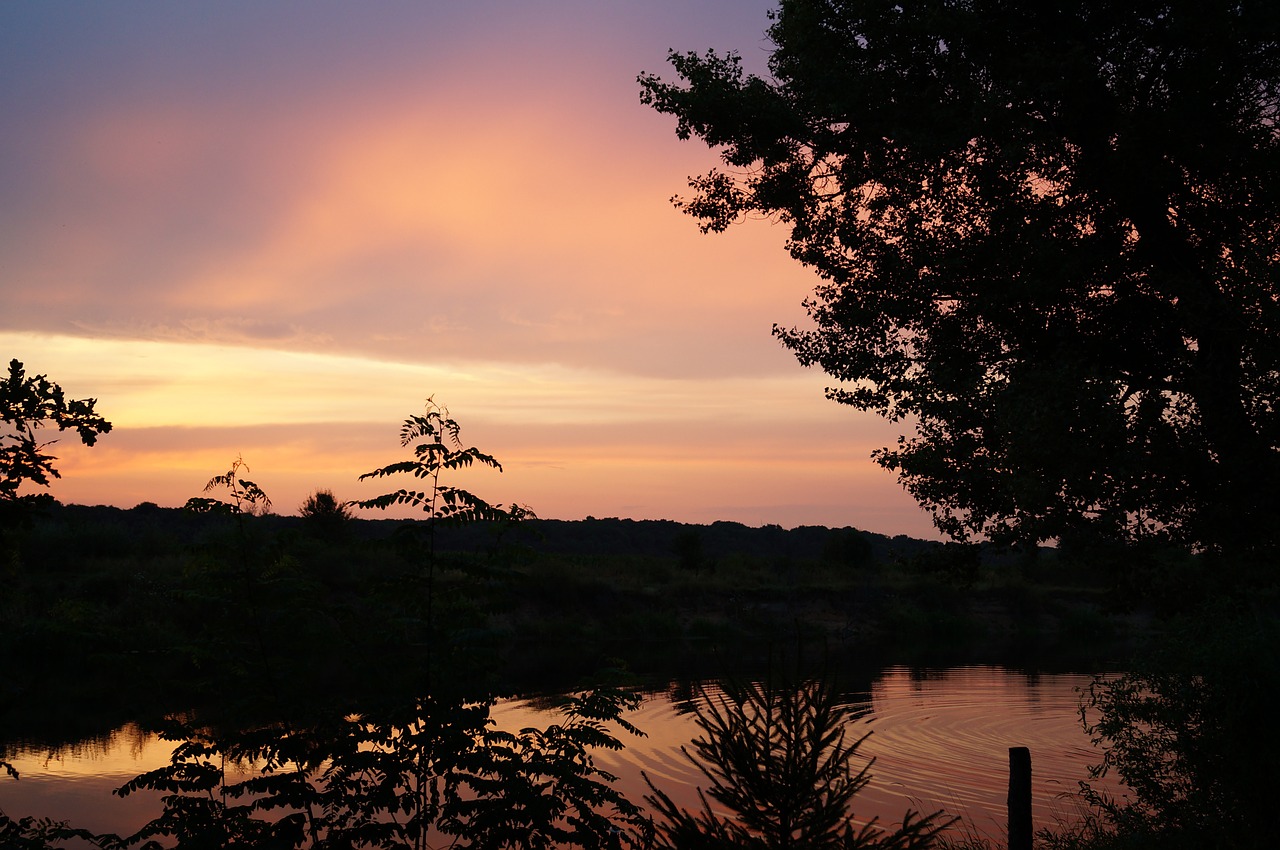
(572, 443)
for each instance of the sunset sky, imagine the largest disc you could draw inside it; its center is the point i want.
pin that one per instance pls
(273, 229)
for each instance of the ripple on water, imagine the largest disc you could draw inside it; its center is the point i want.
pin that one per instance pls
(940, 740)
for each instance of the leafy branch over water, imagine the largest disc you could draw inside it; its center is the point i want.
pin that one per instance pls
(435, 771)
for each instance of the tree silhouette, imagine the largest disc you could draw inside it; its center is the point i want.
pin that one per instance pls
(1048, 236)
(325, 515)
(436, 438)
(28, 404)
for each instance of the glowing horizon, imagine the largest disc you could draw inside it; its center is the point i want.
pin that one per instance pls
(274, 232)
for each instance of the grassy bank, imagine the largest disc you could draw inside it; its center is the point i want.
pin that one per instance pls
(175, 602)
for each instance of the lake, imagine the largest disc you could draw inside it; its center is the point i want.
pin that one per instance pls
(940, 739)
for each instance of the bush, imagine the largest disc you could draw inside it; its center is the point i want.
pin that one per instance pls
(324, 514)
(782, 773)
(1194, 736)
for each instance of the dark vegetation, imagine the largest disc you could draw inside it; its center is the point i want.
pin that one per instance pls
(29, 404)
(355, 662)
(179, 619)
(1046, 235)
(155, 588)
(777, 759)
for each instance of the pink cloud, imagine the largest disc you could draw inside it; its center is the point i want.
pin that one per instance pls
(473, 189)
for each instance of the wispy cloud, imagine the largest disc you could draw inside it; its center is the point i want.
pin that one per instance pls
(278, 227)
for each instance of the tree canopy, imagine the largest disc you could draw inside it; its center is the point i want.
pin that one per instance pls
(1047, 237)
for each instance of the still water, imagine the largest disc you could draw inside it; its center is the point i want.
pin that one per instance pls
(940, 740)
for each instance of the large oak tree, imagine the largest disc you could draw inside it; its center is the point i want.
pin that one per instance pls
(1048, 237)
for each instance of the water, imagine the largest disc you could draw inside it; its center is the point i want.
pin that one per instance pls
(940, 741)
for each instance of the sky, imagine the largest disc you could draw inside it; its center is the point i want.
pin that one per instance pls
(272, 230)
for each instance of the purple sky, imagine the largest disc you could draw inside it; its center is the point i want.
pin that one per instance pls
(274, 229)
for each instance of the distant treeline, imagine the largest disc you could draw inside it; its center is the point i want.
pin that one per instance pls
(611, 536)
(590, 536)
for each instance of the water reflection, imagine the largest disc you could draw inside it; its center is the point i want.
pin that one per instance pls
(943, 741)
(781, 767)
(940, 740)
(399, 777)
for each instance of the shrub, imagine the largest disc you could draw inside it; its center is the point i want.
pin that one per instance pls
(1193, 734)
(324, 514)
(777, 757)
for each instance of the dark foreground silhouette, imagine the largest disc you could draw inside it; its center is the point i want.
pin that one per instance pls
(436, 772)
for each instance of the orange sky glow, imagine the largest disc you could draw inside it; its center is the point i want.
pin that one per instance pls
(273, 231)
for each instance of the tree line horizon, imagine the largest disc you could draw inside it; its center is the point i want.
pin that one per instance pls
(1048, 237)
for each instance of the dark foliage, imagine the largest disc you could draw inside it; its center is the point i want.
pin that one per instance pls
(313, 729)
(1048, 235)
(430, 772)
(778, 758)
(398, 778)
(325, 515)
(437, 448)
(1192, 733)
(243, 496)
(28, 404)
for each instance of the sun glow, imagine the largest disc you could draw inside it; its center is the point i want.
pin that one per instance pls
(278, 248)
(572, 441)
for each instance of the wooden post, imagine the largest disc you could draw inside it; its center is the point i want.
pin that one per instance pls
(1019, 798)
